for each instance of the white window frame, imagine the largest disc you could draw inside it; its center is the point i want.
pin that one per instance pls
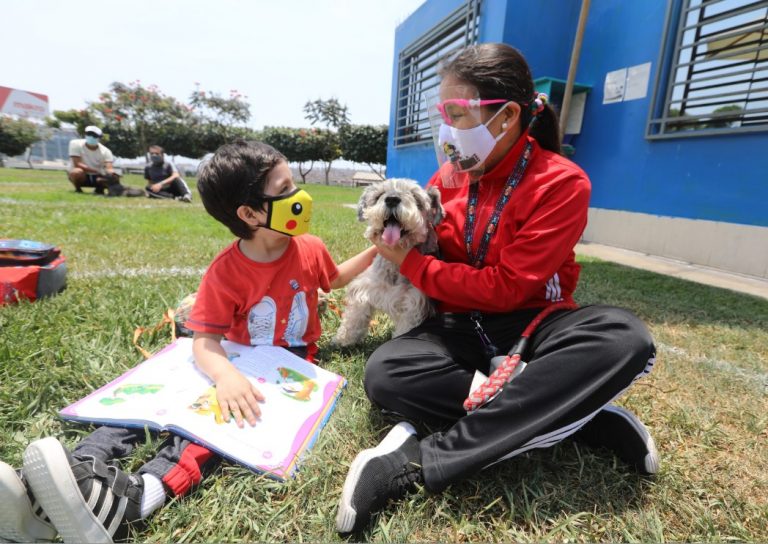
(719, 58)
(417, 70)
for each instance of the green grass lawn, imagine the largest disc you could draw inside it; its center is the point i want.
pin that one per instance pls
(706, 402)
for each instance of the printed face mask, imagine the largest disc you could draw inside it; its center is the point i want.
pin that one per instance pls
(91, 140)
(289, 213)
(469, 147)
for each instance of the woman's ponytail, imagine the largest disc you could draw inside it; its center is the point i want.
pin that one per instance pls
(545, 128)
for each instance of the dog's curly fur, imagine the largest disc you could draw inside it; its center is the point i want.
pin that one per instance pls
(402, 204)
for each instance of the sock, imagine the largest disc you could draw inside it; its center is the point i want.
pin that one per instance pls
(154, 495)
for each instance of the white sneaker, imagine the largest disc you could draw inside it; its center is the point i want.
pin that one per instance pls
(21, 517)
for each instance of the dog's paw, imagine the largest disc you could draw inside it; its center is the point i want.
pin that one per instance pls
(343, 341)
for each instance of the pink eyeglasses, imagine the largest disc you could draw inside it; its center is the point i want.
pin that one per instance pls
(460, 106)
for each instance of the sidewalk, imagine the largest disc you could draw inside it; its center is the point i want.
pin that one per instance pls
(718, 278)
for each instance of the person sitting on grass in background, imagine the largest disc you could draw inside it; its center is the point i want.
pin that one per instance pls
(260, 290)
(163, 179)
(90, 162)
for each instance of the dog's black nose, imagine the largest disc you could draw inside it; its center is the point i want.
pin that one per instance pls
(392, 201)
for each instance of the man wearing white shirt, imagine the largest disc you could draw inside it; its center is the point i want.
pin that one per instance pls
(90, 162)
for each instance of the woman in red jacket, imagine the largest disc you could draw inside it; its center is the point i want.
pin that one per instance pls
(514, 210)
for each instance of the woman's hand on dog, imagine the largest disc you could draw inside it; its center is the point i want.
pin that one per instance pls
(395, 254)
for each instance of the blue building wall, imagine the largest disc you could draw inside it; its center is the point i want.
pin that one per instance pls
(419, 162)
(718, 178)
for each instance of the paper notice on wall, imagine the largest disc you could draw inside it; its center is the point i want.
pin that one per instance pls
(637, 81)
(613, 88)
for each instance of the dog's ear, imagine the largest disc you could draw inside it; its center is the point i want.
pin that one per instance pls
(367, 199)
(436, 206)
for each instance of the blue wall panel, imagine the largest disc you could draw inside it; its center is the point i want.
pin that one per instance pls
(419, 162)
(718, 178)
(543, 31)
(416, 162)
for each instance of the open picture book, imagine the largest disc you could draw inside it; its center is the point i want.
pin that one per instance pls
(168, 392)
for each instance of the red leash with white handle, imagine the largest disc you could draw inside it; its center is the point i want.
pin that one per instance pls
(493, 385)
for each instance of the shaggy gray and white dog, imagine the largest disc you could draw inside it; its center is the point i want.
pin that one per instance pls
(398, 211)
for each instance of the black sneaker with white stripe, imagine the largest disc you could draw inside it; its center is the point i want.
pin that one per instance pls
(22, 519)
(387, 472)
(86, 499)
(620, 431)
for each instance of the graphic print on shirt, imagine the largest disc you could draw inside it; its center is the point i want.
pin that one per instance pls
(298, 320)
(262, 319)
(554, 293)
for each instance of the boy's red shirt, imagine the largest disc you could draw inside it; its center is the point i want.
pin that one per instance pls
(265, 303)
(530, 261)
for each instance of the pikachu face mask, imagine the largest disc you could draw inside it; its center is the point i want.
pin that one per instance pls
(289, 213)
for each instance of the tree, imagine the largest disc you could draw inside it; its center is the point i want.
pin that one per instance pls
(219, 120)
(281, 138)
(79, 118)
(225, 111)
(133, 117)
(285, 140)
(299, 145)
(315, 144)
(324, 144)
(329, 112)
(366, 144)
(304, 145)
(16, 135)
(308, 144)
(328, 149)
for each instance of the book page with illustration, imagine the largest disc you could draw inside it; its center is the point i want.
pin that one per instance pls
(168, 392)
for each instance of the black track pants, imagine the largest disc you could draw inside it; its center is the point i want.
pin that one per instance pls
(178, 463)
(578, 362)
(177, 188)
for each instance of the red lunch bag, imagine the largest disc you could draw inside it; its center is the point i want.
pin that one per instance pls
(30, 270)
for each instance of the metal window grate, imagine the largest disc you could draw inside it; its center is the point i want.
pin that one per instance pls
(718, 78)
(417, 70)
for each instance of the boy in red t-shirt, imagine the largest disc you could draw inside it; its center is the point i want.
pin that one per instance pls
(262, 289)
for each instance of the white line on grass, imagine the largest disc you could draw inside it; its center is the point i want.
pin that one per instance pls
(89, 205)
(29, 183)
(139, 272)
(759, 379)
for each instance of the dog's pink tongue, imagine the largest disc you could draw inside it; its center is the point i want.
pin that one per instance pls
(391, 234)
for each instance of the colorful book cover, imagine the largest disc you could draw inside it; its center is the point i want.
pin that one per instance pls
(168, 392)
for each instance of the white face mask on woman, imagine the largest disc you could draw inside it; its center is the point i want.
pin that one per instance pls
(463, 141)
(467, 148)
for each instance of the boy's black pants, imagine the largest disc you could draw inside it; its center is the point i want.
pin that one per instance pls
(176, 188)
(179, 463)
(578, 362)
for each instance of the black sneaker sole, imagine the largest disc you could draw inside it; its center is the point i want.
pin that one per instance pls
(47, 470)
(346, 517)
